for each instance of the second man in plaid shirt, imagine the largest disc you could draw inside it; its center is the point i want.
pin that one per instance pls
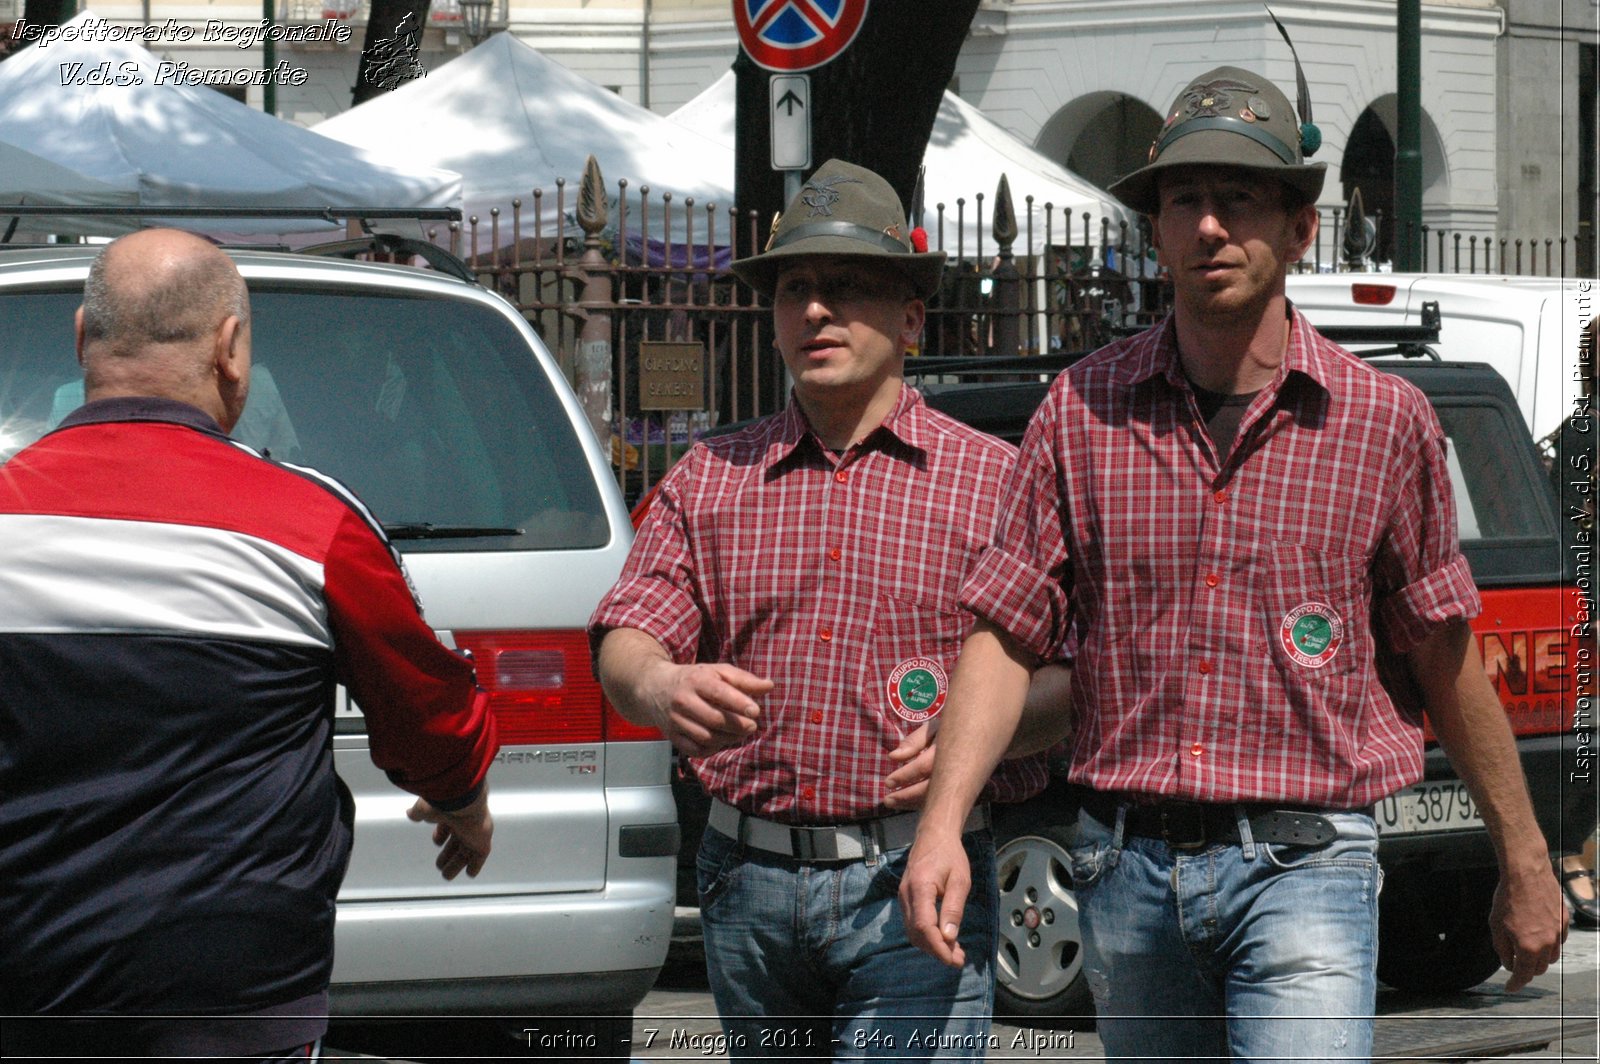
(788, 618)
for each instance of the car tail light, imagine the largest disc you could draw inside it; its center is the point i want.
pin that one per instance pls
(542, 689)
(1372, 295)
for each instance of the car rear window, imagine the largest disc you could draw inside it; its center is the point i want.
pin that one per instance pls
(1492, 502)
(433, 410)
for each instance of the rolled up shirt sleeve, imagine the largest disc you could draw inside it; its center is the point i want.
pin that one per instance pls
(655, 592)
(1021, 583)
(1422, 580)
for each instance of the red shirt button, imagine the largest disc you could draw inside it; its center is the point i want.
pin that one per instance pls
(808, 794)
(1221, 496)
(816, 718)
(1196, 750)
(1212, 580)
(835, 554)
(1205, 668)
(825, 635)
(841, 476)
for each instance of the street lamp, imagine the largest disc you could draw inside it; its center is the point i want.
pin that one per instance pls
(475, 19)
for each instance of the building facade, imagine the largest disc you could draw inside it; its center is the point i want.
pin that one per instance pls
(1509, 92)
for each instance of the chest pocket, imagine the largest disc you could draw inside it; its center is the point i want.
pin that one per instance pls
(1315, 612)
(906, 675)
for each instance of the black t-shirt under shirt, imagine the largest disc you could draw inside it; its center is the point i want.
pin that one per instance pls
(1222, 414)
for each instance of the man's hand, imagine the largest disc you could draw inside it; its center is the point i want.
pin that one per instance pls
(908, 783)
(933, 894)
(702, 708)
(463, 835)
(1528, 923)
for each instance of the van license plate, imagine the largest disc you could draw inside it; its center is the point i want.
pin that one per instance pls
(1423, 807)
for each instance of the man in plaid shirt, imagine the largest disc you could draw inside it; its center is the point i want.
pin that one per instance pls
(788, 618)
(1238, 514)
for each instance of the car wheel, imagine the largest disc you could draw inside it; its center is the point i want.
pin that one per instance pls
(1039, 974)
(1433, 929)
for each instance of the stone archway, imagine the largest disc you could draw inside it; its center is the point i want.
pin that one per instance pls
(1101, 136)
(1368, 164)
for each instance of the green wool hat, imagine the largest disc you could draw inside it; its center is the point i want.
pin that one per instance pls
(843, 210)
(1229, 117)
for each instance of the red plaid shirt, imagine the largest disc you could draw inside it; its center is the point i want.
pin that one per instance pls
(1228, 605)
(836, 578)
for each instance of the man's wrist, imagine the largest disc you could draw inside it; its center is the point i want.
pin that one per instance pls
(942, 816)
(1526, 861)
(457, 804)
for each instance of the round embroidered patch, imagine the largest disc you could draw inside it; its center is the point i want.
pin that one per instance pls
(917, 688)
(1311, 633)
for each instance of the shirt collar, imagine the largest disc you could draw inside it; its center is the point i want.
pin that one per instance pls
(906, 422)
(1156, 353)
(142, 408)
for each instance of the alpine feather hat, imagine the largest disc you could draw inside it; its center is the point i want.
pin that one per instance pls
(847, 211)
(1229, 117)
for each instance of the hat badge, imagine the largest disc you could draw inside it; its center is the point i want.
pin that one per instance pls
(1213, 98)
(821, 196)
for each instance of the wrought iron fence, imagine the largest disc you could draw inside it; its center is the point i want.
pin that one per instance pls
(1447, 251)
(605, 279)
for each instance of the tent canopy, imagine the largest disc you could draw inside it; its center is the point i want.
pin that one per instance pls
(510, 120)
(29, 178)
(967, 152)
(189, 146)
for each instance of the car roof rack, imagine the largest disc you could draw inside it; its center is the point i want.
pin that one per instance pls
(18, 211)
(332, 214)
(978, 365)
(1411, 341)
(370, 242)
(395, 244)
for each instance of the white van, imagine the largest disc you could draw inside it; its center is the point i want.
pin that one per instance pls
(1527, 328)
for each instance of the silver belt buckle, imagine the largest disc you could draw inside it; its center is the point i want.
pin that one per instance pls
(815, 844)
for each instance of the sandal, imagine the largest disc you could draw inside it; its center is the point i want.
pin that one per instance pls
(1585, 911)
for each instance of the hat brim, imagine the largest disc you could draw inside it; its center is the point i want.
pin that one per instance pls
(1140, 189)
(923, 269)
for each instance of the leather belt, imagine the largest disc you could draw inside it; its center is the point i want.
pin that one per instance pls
(836, 842)
(1192, 825)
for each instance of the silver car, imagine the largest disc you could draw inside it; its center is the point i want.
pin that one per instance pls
(433, 399)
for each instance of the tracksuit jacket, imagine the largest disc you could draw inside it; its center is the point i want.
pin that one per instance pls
(175, 611)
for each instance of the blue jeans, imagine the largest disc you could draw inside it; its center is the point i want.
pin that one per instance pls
(1244, 951)
(812, 959)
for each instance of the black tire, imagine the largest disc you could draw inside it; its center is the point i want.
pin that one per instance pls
(1039, 970)
(1433, 929)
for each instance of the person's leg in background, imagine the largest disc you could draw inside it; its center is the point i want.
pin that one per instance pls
(1575, 845)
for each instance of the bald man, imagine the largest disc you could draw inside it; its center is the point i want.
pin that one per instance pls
(175, 611)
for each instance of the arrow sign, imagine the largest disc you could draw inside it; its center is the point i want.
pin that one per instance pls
(790, 111)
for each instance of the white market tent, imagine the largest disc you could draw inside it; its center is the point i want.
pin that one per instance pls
(967, 152)
(31, 179)
(510, 120)
(182, 145)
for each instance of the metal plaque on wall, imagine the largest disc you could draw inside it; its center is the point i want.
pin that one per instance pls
(671, 375)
